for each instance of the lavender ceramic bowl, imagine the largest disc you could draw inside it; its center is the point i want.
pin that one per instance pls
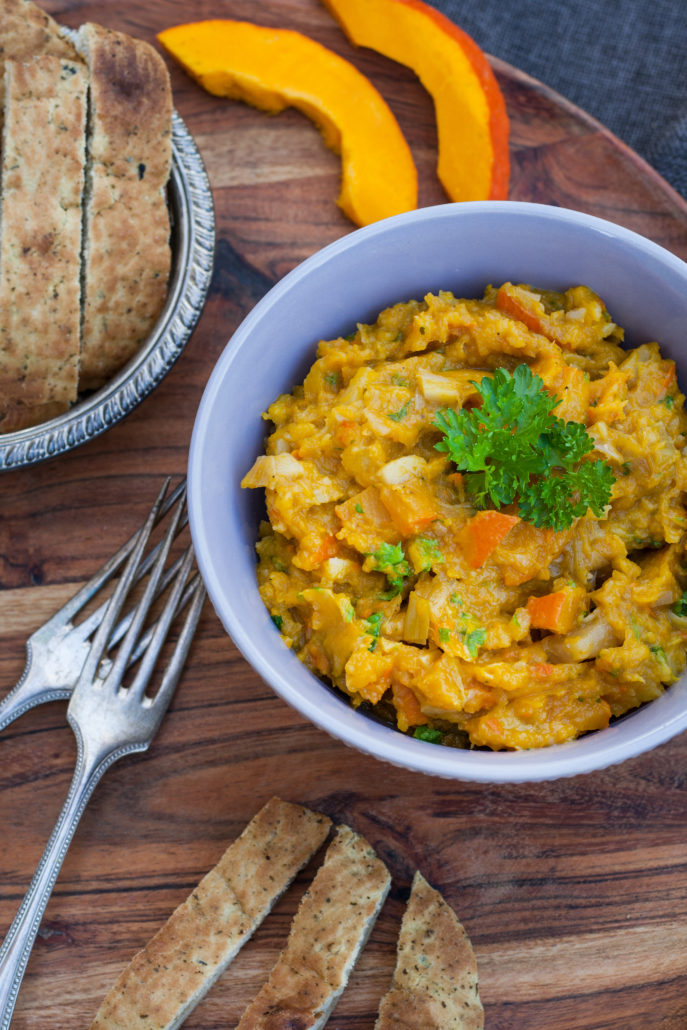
(456, 247)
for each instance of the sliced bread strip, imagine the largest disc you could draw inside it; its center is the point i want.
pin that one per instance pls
(435, 981)
(20, 416)
(27, 31)
(127, 254)
(165, 981)
(40, 233)
(330, 928)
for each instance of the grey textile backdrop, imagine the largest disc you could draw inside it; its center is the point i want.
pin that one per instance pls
(622, 61)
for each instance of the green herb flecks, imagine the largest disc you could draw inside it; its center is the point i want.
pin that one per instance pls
(428, 733)
(398, 416)
(474, 640)
(373, 626)
(429, 553)
(391, 560)
(513, 448)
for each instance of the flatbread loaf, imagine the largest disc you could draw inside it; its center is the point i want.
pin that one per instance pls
(27, 31)
(40, 216)
(330, 928)
(127, 252)
(165, 981)
(435, 981)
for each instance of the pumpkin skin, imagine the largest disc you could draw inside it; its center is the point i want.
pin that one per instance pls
(276, 68)
(472, 123)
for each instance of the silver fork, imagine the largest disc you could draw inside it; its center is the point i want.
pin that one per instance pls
(109, 720)
(56, 652)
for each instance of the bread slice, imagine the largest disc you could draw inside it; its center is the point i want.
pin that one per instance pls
(40, 232)
(435, 981)
(21, 416)
(27, 31)
(333, 921)
(127, 254)
(165, 981)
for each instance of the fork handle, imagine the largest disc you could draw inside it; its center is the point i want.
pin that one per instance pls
(16, 948)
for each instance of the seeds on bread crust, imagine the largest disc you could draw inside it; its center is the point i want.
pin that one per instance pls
(328, 932)
(435, 981)
(127, 253)
(40, 218)
(165, 980)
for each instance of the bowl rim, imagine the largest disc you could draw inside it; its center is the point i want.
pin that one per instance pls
(193, 231)
(331, 713)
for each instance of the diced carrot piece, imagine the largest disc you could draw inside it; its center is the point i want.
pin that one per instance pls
(328, 548)
(542, 670)
(557, 612)
(483, 533)
(667, 379)
(521, 304)
(408, 712)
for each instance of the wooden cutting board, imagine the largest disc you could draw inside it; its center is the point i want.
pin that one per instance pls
(574, 892)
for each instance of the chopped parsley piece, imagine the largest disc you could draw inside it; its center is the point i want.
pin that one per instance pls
(391, 560)
(513, 447)
(474, 640)
(277, 620)
(399, 380)
(680, 607)
(333, 379)
(669, 400)
(427, 733)
(626, 468)
(444, 634)
(429, 552)
(373, 626)
(359, 508)
(397, 416)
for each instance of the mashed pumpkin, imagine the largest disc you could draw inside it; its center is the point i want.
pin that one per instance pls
(465, 624)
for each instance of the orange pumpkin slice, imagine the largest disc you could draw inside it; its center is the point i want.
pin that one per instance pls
(276, 68)
(472, 123)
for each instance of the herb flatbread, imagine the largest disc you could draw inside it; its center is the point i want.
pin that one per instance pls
(127, 253)
(333, 921)
(27, 31)
(435, 981)
(165, 980)
(40, 217)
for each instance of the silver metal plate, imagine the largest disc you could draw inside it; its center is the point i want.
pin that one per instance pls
(193, 244)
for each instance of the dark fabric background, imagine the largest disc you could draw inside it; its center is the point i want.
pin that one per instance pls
(622, 61)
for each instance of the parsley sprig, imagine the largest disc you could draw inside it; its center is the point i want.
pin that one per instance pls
(513, 447)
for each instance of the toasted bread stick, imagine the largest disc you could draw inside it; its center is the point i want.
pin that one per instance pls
(26, 31)
(333, 921)
(167, 979)
(40, 224)
(127, 252)
(435, 980)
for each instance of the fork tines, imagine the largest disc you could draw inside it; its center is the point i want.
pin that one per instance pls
(138, 641)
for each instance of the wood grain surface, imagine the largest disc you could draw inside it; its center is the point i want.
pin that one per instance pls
(574, 892)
